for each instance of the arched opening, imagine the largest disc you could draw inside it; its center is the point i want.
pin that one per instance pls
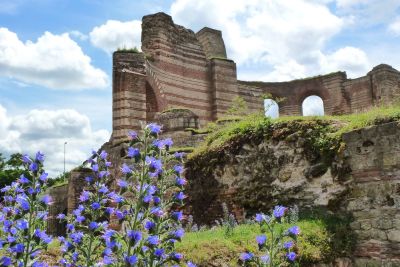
(271, 108)
(151, 103)
(313, 106)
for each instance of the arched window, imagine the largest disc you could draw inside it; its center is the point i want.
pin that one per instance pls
(313, 106)
(271, 108)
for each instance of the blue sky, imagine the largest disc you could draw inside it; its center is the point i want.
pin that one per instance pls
(55, 56)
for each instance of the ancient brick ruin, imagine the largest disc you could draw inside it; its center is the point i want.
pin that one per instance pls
(183, 79)
(182, 69)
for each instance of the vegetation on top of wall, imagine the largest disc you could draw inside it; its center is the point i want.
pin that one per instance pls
(128, 50)
(323, 133)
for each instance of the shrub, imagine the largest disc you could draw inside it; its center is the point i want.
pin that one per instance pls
(145, 205)
(23, 216)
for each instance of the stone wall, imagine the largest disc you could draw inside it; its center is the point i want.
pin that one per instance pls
(59, 196)
(256, 173)
(374, 198)
(362, 181)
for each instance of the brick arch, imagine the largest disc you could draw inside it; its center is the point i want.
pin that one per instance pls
(323, 103)
(320, 92)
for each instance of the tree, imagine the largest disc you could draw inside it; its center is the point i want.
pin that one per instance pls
(11, 169)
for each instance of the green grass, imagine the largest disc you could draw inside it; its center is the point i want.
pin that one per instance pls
(317, 243)
(128, 50)
(258, 125)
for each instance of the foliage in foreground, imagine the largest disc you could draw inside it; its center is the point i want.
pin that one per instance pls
(149, 193)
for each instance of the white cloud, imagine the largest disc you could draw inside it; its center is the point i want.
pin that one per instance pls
(117, 34)
(53, 61)
(289, 37)
(285, 35)
(47, 130)
(394, 27)
(351, 59)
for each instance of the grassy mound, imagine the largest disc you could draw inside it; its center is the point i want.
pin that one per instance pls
(257, 125)
(321, 240)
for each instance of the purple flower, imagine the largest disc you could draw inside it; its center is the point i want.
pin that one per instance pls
(122, 183)
(180, 181)
(133, 152)
(153, 240)
(178, 169)
(88, 179)
(261, 239)
(157, 211)
(168, 142)
(18, 248)
(93, 225)
(23, 202)
(279, 211)
(154, 128)
(160, 144)
(39, 156)
(154, 163)
(179, 155)
(5, 261)
(95, 168)
(288, 245)
(80, 218)
(132, 135)
(159, 252)
(176, 256)
(61, 216)
(76, 237)
(291, 256)
(22, 224)
(191, 264)
(84, 196)
(149, 225)
(95, 205)
(33, 167)
(259, 217)
(180, 196)
(294, 230)
(125, 169)
(26, 159)
(134, 236)
(131, 260)
(103, 154)
(246, 256)
(177, 215)
(265, 258)
(46, 199)
(43, 177)
(107, 260)
(23, 179)
(103, 189)
(178, 234)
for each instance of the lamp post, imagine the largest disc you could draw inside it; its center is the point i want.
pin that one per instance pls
(64, 157)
